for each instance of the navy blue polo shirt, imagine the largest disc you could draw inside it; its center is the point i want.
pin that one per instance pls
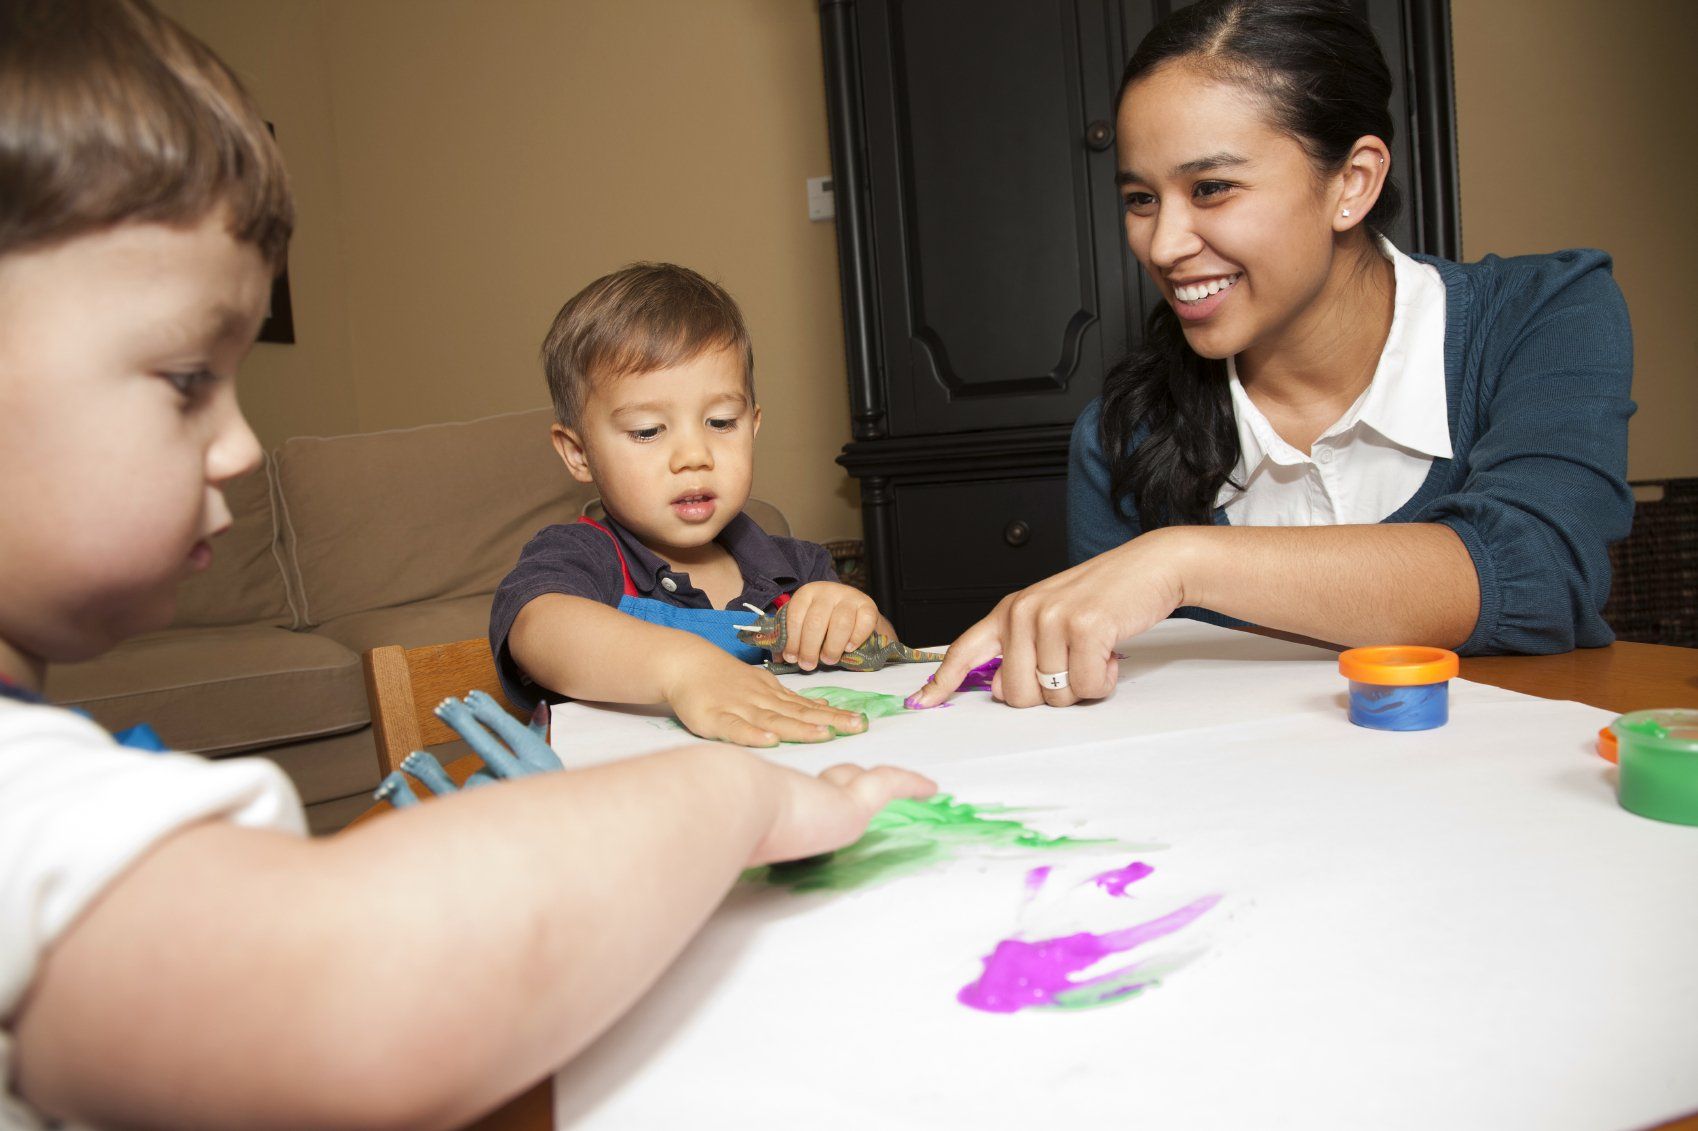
(579, 561)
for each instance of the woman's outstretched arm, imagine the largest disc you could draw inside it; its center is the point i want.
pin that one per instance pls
(1404, 583)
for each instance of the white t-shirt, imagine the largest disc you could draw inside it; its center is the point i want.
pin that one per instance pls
(1375, 457)
(76, 810)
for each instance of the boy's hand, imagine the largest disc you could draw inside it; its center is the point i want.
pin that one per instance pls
(816, 815)
(825, 620)
(716, 695)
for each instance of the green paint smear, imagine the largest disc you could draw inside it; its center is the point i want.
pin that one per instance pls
(908, 836)
(873, 704)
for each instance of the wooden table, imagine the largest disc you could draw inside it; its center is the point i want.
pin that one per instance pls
(1622, 677)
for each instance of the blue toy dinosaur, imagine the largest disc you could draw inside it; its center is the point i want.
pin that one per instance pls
(513, 750)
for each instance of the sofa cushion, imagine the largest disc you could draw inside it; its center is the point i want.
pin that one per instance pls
(417, 514)
(221, 690)
(245, 584)
(412, 626)
(329, 768)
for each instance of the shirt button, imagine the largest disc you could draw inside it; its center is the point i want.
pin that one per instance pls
(1323, 455)
(669, 585)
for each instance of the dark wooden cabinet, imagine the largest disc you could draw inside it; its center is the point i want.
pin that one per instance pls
(986, 281)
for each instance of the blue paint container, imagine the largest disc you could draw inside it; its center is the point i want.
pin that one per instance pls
(1399, 687)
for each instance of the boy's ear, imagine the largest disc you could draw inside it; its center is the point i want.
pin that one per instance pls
(755, 428)
(571, 451)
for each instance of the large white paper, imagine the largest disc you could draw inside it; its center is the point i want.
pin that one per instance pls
(1458, 927)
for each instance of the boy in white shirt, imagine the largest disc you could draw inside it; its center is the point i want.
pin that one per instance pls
(175, 952)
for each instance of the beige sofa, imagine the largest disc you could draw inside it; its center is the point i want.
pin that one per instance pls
(340, 544)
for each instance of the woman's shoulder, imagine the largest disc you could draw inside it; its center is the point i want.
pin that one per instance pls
(1497, 285)
(1087, 439)
(1087, 429)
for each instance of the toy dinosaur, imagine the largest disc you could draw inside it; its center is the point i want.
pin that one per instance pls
(770, 632)
(513, 750)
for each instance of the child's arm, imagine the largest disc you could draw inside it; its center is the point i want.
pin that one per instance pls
(416, 971)
(827, 619)
(586, 650)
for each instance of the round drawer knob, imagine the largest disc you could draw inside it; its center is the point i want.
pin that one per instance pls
(1099, 135)
(1017, 533)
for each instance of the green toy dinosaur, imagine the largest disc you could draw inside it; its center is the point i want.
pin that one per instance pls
(769, 632)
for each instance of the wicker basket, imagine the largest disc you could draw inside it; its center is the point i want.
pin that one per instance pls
(1654, 599)
(849, 559)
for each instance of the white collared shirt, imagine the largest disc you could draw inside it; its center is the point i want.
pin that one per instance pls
(1375, 457)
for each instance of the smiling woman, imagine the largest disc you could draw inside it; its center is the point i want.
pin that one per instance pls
(1321, 434)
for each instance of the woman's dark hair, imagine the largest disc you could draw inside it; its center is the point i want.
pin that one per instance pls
(1321, 78)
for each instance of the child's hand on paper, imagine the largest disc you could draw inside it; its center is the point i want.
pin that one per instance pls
(816, 815)
(715, 695)
(826, 619)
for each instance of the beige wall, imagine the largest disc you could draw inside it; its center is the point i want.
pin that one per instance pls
(1578, 125)
(486, 158)
(464, 165)
(279, 49)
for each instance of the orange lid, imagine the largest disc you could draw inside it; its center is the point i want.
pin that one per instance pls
(1606, 744)
(1398, 665)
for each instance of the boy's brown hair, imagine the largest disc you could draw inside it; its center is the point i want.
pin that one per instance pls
(109, 112)
(642, 317)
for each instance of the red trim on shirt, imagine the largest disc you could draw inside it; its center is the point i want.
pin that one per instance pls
(778, 602)
(624, 570)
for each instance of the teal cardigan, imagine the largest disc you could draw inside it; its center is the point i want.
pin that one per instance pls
(1538, 359)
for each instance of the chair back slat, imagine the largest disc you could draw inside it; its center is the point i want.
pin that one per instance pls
(404, 685)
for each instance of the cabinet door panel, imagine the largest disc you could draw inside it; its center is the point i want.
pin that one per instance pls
(1002, 278)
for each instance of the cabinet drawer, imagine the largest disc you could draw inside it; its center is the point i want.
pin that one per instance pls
(936, 624)
(991, 534)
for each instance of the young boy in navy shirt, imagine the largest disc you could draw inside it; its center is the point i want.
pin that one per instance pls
(174, 952)
(652, 377)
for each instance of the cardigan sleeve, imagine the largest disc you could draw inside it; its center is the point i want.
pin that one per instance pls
(1093, 525)
(1545, 489)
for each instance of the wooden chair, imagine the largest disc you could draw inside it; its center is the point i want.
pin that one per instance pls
(404, 685)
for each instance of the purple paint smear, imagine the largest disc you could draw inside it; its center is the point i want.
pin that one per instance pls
(979, 678)
(1020, 975)
(1117, 881)
(976, 679)
(1035, 880)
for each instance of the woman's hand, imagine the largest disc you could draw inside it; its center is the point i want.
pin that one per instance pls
(1068, 625)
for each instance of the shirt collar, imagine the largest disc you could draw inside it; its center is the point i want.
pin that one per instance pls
(1258, 443)
(758, 558)
(1405, 401)
(757, 555)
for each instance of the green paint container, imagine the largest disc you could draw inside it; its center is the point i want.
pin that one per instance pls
(1658, 755)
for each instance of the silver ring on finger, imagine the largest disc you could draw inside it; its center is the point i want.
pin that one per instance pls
(1054, 681)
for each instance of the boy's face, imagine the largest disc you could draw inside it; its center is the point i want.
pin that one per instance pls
(670, 450)
(118, 423)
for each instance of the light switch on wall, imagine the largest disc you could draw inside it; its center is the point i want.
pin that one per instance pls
(822, 205)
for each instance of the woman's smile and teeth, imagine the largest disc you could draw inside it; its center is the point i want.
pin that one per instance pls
(1200, 297)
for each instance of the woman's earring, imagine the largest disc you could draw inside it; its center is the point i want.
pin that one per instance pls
(1347, 213)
